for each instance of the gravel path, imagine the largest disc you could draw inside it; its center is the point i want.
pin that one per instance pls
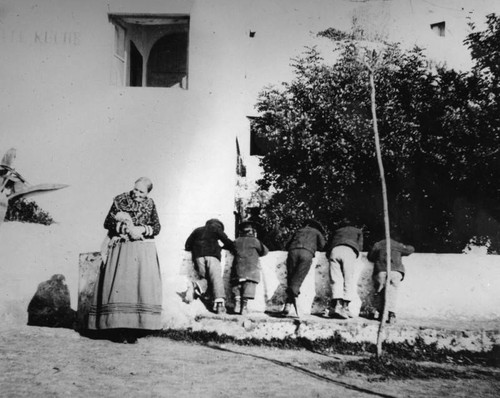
(45, 362)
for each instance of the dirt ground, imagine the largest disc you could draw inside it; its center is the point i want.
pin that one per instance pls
(49, 362)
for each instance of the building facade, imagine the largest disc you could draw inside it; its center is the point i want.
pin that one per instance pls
(97, 93)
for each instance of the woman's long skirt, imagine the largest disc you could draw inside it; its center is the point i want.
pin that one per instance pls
(129, 291)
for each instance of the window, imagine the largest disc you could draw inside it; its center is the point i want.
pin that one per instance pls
(259, 144)
(151, 50)
(119, 59)
(438, 28)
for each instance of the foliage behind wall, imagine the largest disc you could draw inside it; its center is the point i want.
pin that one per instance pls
(440, 138)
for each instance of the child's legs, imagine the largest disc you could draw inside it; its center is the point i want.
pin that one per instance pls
(248, 290)
(342, 273)
(298, 264)
(336, 279)
(236, 290)
(395, 281)
(201, 269)
(349, 272)
(380, 281)
(214, 276)
(291, 261)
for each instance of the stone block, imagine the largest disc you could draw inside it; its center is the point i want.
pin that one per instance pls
(89, 267)
(51, 306)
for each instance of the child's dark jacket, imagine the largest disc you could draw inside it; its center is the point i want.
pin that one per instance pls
(204, 241)
(307, 238)
(248, 249)
(378, 255)
(347, 236)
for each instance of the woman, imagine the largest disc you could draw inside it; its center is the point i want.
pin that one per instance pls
(128, 296)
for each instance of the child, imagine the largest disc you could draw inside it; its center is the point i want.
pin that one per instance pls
(301, 248)
(246, 270)
(203, 243)
(378, 255)
(342, 252)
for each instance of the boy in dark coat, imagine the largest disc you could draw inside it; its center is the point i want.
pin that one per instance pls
(342, 252)
(203, 243)
(378, 255)
(246, 270)
(301, 248)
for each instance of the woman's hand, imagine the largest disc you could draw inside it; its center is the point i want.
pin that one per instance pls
(135, 233)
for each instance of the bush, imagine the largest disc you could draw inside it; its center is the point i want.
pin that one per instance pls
(27, 211)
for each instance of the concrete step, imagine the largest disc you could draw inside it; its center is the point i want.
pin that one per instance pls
(480, 336)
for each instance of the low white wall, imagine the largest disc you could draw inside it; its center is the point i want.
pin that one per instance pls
(445, 286)
(31, 254)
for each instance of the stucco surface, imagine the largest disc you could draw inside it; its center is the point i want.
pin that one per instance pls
(72, 123)
(440, 286)
(451, 299)
(445, 286)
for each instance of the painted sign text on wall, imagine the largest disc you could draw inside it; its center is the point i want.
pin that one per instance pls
(43, 37)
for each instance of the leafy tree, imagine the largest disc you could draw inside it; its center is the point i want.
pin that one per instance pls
(439, 138)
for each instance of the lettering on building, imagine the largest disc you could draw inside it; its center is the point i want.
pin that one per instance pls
(42, 37)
